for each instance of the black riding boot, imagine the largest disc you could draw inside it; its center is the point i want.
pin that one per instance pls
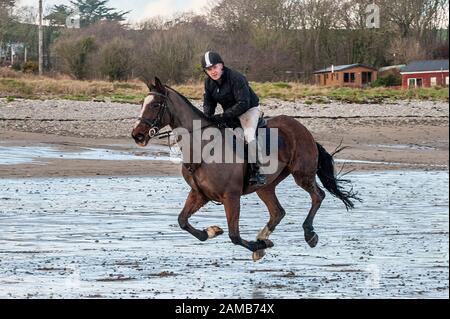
(256, 176)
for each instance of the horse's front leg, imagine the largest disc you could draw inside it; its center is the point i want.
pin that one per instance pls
(276, 212)
(232, 203)
(194, 202)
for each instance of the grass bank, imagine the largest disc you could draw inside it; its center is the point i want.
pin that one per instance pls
(16, 85)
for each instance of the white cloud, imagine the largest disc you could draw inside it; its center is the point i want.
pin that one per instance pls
(160, 8)
(140, 9)
(168, 8)
(198, 5)
(35, 3)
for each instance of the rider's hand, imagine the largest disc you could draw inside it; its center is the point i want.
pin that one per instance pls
(218, 118)
(222, 117)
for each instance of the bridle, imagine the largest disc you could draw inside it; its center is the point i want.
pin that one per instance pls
(155, 124)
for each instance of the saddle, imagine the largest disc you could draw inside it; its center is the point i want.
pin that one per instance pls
(235, 123)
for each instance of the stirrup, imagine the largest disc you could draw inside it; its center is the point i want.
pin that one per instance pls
(258, 179)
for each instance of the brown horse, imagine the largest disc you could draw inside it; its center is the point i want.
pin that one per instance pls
(298, 155)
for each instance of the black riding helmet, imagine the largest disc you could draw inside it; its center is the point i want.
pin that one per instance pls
(210, 59)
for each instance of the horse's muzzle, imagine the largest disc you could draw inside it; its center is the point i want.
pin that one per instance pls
(139, 138)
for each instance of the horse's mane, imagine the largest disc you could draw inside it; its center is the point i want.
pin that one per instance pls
(192, 106)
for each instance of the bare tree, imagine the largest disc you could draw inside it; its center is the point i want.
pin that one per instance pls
(76, 55)
(266, 39)
(5, 17)
(117, 59)
(414, 16)
(172, 56)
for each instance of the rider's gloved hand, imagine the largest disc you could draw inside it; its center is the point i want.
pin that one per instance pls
(222, 117)
(218, 118)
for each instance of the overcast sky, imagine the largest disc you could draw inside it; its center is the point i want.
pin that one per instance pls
(140, 9)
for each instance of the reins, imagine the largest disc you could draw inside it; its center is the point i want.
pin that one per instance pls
(155, 127)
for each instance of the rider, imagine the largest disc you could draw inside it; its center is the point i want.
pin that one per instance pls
(232, 91)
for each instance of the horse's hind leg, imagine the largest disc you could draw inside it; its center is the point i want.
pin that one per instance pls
(276, 212)
(194, 202)
(232, 205)
(308, 183)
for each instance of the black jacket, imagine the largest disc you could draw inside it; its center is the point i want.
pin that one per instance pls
(232, 92)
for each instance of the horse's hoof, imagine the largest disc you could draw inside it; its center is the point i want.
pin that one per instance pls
(259, 254)
(268, 243)
(214, 231)
(313, 240)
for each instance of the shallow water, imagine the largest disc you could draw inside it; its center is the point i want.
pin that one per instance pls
(403, 146)
(13, 155)
(119, 238)
(429, 166)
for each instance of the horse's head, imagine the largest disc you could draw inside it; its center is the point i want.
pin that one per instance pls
(154, 114)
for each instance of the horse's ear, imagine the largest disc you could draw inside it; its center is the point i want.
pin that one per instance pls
(150, 85)
(159, 86)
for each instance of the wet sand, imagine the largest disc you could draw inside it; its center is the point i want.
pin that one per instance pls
(85, 213)
(377, 148)
(119, 238)
(394, 135)
(53, 157)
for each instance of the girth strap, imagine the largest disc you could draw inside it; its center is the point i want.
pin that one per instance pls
(192, 169)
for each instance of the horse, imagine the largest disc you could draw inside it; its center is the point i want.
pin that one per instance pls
(299, 155)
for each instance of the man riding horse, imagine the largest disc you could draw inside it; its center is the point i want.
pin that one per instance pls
(232, 91)
(299, 155)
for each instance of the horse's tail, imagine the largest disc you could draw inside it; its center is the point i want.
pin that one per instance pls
(332, 182)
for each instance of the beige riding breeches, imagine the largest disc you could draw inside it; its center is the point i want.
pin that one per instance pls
(249, 121)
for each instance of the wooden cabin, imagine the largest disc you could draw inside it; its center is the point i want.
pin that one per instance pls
(352, 75)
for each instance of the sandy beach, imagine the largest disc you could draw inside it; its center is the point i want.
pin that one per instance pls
(85, 213)
(118, 237)
(394, 135)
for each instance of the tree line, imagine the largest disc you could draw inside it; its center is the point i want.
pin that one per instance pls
(269, 40)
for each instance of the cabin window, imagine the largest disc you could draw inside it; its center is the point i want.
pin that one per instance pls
(419, 83)
(413, 82)
(366, 77)
(346, 77)
(349, 77)
(433, 81)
